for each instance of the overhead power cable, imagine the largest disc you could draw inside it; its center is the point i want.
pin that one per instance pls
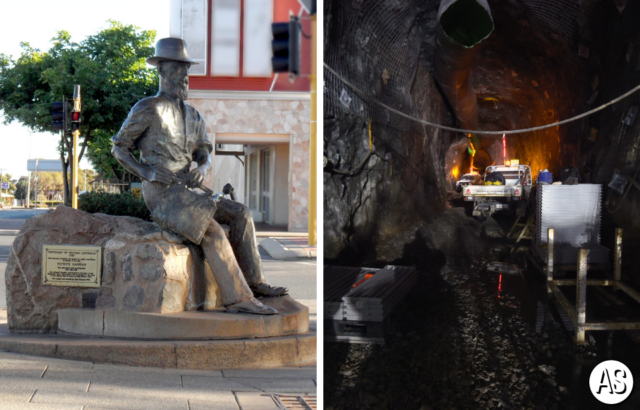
(479, 132)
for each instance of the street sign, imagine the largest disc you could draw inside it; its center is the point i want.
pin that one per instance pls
(5, 185)
(47, 165)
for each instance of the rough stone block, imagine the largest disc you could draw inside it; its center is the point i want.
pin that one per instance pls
(144, 269)
(109, 266)
(152, 272)
(149, 251)
(133, 298)
(127, 271)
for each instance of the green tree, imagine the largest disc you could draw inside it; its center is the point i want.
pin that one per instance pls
(48, 182)
(111, 70)
(21, 188)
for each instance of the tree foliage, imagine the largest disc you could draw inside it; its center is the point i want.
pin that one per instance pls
(124, 204)
(7, 178)
(21, 188)
(111, 70)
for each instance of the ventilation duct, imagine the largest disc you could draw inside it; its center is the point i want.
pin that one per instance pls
(462, 25)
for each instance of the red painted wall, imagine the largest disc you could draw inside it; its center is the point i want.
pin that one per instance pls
(281, 11)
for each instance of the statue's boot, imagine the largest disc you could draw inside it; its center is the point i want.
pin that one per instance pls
(251, 305)
(264, 289)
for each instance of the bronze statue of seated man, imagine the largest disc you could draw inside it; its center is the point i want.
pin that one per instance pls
(170, 135)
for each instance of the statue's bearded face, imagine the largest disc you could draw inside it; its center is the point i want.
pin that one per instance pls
(174, 76)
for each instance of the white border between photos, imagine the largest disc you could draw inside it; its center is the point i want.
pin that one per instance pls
(320, 202)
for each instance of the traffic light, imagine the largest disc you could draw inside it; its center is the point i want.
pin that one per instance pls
(286, 46)
(77, 108)
(59, 116)
(75, 120)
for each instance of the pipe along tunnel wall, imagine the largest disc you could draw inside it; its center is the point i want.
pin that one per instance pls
(545, 61)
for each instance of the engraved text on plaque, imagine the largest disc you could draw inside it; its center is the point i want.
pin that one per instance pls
(66, 265)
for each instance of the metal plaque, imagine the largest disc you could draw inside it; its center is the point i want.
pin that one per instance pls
(66, 265)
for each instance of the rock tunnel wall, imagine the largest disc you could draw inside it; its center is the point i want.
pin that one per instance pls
(547, 60)
(386, 49)
(611, 33)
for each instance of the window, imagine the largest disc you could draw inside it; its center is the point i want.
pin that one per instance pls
(225, 38)
(194, 32)
(256, 53)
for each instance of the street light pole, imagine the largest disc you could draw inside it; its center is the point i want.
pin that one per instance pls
(36, 190)
(76, 134)
(29, 174)
(312, 139)
(28, 187)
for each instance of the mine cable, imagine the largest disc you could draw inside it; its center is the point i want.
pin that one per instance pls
(480, 132)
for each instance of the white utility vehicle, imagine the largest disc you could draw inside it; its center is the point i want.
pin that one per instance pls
(466, 179)
(506, 188)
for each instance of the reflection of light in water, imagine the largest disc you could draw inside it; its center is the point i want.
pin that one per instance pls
(499, 285)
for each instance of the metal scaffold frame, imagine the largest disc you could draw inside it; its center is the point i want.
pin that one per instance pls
(577, 314)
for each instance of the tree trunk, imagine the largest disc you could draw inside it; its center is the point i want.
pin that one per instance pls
(67, 175)
(84, 145)
(65, 185)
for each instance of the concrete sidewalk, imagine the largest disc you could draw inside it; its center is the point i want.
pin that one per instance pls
(285, 247)
(37, 383)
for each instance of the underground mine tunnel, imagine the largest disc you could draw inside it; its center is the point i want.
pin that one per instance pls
(480, 327)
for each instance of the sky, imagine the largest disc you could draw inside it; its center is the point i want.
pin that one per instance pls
(36, 22)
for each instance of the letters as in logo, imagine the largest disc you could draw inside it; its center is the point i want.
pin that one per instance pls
(611, 382)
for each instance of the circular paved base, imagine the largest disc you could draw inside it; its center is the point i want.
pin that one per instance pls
(293, 319)
(298, 350)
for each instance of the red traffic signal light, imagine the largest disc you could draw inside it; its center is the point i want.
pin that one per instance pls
(75, 120)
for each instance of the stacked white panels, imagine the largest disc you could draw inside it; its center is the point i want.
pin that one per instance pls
(358, 310)
(376, 298)
(338, 281)
(574, 213)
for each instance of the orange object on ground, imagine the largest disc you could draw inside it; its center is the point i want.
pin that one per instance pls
(367, 276)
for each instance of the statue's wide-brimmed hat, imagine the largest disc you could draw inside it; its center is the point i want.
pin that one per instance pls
(171, 49)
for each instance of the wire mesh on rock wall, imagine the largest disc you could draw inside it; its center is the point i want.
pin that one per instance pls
(377, 46)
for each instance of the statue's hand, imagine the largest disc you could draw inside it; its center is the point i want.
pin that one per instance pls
(195, 178)
(162, 175)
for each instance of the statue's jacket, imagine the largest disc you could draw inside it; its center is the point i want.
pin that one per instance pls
(170, 134)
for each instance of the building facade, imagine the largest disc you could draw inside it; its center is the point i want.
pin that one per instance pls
(259, 122)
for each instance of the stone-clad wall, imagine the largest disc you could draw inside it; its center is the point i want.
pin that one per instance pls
(144, 269)
(268, 117)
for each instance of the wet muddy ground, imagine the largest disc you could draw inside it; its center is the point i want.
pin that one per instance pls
(470, 338)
